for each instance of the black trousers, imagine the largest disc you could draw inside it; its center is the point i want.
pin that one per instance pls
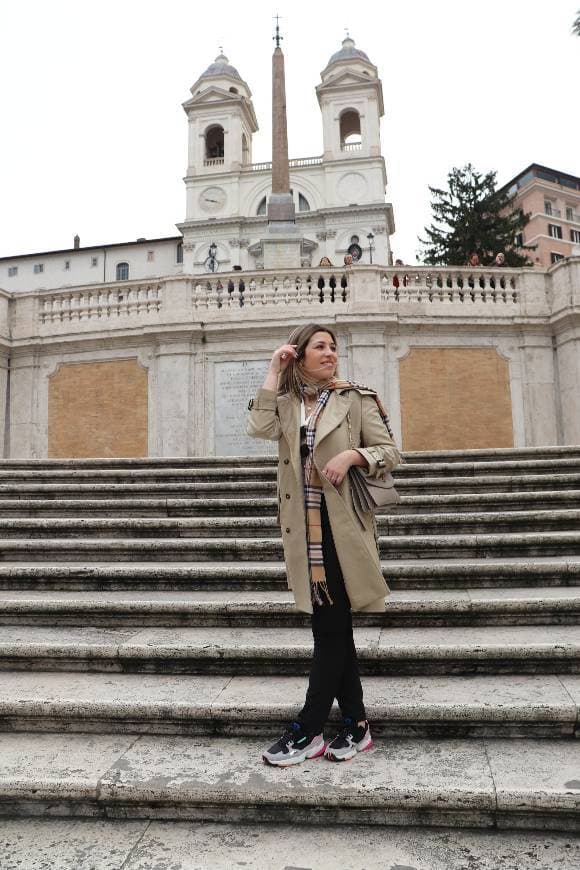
(334, 672)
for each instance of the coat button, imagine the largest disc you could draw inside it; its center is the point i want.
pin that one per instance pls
(287, 495)
(287, 531)
(286, 461)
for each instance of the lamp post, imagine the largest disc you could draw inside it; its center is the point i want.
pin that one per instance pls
(371, 239)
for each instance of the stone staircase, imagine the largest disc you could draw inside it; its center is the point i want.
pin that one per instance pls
(145, 623)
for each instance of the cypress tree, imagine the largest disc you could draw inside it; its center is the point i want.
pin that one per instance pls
(472, 215)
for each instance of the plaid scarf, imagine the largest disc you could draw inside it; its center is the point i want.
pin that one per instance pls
(313, 490)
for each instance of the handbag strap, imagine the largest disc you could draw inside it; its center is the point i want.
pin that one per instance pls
(349, 424)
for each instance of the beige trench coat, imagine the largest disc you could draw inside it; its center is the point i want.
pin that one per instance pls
(277, 418)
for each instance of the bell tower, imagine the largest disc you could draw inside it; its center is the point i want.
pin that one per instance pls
(351, 101)
(221, 123)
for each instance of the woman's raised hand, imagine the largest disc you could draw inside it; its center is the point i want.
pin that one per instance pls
(282, 357)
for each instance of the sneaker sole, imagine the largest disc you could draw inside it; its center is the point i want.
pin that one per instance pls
(351, 754)
(298, 759)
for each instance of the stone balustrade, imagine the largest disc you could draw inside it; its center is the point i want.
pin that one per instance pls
(271, 290)
(463, 286)
(359, 291)
(100, 303)
(294, 164)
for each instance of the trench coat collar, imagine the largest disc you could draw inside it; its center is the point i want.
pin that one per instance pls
(289, 412)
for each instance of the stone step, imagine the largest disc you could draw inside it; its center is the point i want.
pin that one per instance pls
(267, 506)
(230, 488)
(459, 546)
(476, 783)
(495, 454)
(238, 472)
(516, 606)
(541, 649)
(101, 844)
(250, 526)
(401, 574)
(426, 706)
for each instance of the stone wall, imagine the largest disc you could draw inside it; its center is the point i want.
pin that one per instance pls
(455, 398)
(98, 409)
(489, 358)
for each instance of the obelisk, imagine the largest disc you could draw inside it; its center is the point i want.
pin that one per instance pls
(282, 245)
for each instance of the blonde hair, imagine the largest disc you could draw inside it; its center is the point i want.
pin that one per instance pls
(294, 377)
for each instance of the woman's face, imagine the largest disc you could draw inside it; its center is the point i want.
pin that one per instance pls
(320, 357)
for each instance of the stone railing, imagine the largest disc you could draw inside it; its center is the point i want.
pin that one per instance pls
(294, 164)
(325, 287)
(214, 161)
(351, 146)
(103, 303)
(463, 286)
(364, 291)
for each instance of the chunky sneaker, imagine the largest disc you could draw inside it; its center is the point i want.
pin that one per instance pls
(294, 746)
(351, 739)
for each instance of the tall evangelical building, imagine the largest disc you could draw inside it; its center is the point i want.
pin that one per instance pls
(339, 196)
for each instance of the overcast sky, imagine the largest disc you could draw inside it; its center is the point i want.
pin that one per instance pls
(94, 139)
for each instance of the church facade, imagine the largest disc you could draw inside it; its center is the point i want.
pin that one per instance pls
(339, 196)
(154, 347)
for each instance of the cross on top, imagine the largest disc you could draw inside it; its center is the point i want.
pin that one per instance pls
(277, 37)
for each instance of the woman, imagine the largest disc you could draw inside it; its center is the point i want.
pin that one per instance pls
(332, 563)
(325, 263)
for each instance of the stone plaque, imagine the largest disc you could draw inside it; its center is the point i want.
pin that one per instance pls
(235, 383)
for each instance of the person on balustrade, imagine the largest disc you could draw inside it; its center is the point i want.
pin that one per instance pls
(324, 426)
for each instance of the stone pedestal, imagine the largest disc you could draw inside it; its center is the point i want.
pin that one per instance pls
(282, 251)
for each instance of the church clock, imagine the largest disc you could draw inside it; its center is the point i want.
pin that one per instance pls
(212, 199)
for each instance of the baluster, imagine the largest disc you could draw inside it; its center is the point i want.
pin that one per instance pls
(252, 286)
(298, 296)
(321, 289)
(385, 288)
(332, 285)
(275, 286)
(241, 291)
(344, 285)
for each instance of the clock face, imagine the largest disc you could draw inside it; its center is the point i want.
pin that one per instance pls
(212, 199)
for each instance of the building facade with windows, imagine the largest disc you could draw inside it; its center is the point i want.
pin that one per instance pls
(552, 199)
(339, 195)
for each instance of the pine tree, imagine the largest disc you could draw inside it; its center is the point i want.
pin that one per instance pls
(576, 25)
(473, 216)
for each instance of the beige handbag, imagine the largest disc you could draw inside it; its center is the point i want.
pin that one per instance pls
(370, 494)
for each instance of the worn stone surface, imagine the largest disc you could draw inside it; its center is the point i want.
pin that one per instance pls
(548, 778)
(116, 695)
(395, 774)
(32, 844)
(477, 642)
(57, 767)
(66, 844)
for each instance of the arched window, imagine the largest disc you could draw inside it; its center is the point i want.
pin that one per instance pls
(303, 204)
(214, 143)
(350, 136)
(122, 271)
(245, 150)
(262, 206)
(179, 253)
(234, 91)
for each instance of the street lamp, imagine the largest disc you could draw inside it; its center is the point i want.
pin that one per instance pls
(371, 239)
(213, 250)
